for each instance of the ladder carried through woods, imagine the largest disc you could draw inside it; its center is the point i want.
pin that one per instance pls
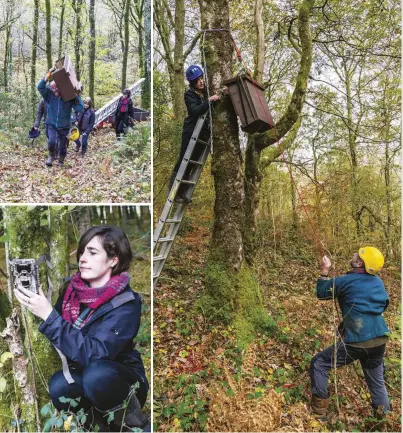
(110, 107)
(173, 213)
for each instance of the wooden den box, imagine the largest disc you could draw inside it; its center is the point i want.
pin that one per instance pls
(250, 104)
(65, 78)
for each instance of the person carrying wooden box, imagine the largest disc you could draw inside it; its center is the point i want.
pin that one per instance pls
(58, 119)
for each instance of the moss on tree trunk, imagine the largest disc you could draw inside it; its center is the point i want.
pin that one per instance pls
(232, 291)
(26, 239)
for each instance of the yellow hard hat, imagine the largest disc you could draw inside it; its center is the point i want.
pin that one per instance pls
(372, 258)
(74, 134)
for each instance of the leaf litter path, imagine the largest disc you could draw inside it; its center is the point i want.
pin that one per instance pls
(103, 175)
(191, 351)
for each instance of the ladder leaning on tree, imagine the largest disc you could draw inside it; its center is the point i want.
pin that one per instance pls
(173, 213)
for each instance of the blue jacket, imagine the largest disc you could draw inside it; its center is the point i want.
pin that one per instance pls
(362, 299)
(59, 111)
(108, 334)
(86, 120)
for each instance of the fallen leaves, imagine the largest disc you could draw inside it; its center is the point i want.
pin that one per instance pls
(96, 177)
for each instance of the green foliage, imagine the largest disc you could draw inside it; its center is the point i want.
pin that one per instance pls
(136, 146)
(192, 409)
(64, 420)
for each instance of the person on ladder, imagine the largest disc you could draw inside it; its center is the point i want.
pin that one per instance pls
(197, 103)
(363, 333)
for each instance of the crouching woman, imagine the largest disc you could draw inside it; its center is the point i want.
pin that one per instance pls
(93, 325)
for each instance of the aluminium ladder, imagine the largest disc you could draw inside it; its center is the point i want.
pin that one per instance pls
(110, 107)
(173, 213)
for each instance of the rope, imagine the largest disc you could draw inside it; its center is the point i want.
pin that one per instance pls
(207, 85)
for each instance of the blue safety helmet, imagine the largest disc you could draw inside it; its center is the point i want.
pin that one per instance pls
(193, 72)
(34, 133)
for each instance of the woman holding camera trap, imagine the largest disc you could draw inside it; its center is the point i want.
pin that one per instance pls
(93, 324)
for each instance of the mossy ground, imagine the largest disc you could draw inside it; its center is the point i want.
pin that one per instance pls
(197, 337)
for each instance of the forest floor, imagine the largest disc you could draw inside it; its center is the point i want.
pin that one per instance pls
(108, 173)
(204, 382)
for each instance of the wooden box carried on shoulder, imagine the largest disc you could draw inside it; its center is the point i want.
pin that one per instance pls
(66, 80)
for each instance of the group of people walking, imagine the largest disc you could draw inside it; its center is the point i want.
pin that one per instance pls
(61, 127)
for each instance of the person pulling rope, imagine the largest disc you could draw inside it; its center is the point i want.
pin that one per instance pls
(363, 333)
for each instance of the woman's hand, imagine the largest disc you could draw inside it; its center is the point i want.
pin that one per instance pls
(36, 304)
(214, 98)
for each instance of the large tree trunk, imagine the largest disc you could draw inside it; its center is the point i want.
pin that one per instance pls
(48, 34)
(175, 62)
(229, 280)
(126, 44)
(91, 67)
(63, 9)
(146, 91)
(7, 57)
(30, 236)
(77, 5)
(177, 81)
(33, 60)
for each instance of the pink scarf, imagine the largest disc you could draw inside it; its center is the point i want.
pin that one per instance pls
(78, 292)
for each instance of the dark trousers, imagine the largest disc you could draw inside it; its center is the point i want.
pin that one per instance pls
(121, 123)
(57, 140)
(371, 360)
(103, 384)
(82, 142)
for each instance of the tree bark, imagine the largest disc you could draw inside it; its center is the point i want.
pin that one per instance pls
(63, 9)
(228, 278)
(48, 34)
(126, 44)
(29, 237)
(33, 60)
(92, 46)
(146, 91)
(77, 5)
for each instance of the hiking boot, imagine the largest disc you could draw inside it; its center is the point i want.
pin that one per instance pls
(51, 158)
(60, 161)
(82, 153)
(133, 416)
(77, 149)
(320, 407)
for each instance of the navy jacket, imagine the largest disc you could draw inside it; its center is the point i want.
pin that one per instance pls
(362, 299)
(196, 106)
(130, 110)
(86, 120)
(59, 111)
(108, 334)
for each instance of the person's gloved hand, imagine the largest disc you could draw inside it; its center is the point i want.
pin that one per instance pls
(49, 73)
